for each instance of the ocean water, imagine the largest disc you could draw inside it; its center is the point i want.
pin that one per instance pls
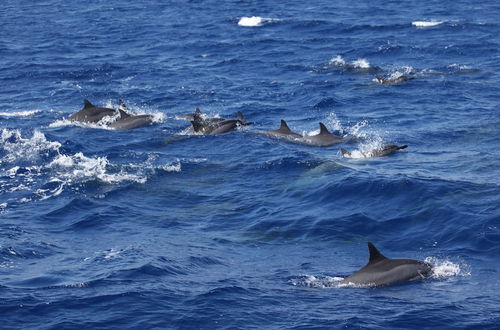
(156, 228)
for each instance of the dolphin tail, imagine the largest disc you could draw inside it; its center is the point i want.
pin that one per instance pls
(345, 153)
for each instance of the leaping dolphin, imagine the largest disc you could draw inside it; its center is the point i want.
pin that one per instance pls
(323, 139)
(127, 121)
(381, 152)
(382, 271)
(217, 125)
(91, 114)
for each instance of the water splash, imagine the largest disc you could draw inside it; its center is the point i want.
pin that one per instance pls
(445, 268)
(424, 24)
(254, 21)
(27, 113)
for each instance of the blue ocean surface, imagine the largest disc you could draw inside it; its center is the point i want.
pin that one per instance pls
(159, 228)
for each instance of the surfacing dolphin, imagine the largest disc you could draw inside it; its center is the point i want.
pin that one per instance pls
(127, 121)
(91, 114)
(284, 132)
(323, 139)
(380, 152)
(382, 271)
(210, 126)
(391, 81)
(197, 112)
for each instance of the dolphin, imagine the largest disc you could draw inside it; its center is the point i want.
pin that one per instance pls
(91, 114)
(381, 152)
(323, 139)
(382, 271)
(127, 121)
(197, 112)
(284, 132)
(392, 81)
(217, 125)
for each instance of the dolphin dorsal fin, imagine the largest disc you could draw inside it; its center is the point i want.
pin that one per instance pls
(87, 104)
(284, 127)
(345, 153)
(123, 114)
(240, 117)
(323, 129)
(375, 255)
(197, 111)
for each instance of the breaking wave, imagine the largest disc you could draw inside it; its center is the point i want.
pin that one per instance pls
(35, 168)
(254, 21)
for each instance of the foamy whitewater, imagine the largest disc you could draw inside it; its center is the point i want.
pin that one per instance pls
(159, 227)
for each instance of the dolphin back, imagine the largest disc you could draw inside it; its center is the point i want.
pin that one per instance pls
(382, 271)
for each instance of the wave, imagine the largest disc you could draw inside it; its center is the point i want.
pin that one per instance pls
(359, 65)
(255, 21)
(27, 113)
(38, 169)
(424, 24)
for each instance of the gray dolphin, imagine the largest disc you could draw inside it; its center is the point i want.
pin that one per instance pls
(217, 125)
(381, 152)
(127, 121)
(197, 112)
(392, 81)
(284, 132)
(91, 114)
(323, 139)
(382, 271)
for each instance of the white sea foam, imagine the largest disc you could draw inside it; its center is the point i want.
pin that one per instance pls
(445, 268)
(357, 65)
(82, 168)
(337, 60)
(459, 66)
(426, 23)
(254, 21)
(16, 147)
(361, 63)
(314, 281)
(54, 171)
(26, 113)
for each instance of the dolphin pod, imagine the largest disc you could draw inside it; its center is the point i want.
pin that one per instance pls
(382, 271)
(92, 114)
(379, 271)
(323, 139)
